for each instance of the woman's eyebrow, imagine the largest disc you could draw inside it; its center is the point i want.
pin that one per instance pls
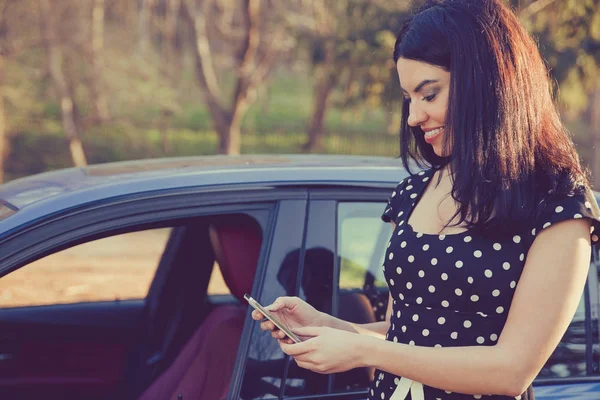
(423, 83)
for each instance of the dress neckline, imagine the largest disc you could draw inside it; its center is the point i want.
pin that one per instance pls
(426, 178)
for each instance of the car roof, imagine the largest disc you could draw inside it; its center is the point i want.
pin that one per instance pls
(61, 189)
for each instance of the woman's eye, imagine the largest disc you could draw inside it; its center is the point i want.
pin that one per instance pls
(430, 97)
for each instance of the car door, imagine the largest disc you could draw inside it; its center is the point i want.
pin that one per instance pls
(306, 264)
(68, 320)
(79, 347)
(261, 364)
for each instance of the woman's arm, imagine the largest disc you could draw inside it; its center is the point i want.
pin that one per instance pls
(543, 306)
(375, 329)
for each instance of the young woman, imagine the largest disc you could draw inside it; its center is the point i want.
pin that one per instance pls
(492, 239)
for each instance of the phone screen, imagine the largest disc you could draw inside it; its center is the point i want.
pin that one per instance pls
(257, 306)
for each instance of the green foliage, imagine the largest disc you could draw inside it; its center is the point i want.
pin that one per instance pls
(143, 99)
(361, 36)
(569, 36)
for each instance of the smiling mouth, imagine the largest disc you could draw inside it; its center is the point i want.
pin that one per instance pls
(432, 134)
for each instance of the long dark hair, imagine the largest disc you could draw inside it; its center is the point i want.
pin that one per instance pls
(508, 146)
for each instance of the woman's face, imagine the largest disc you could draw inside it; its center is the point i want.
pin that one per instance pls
(426, 87)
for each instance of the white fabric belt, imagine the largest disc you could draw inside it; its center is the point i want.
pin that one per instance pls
(407, 385)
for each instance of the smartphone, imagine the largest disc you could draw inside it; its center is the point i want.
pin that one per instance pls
(256, 305)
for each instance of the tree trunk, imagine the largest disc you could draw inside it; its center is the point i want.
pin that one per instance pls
(144, 16)
(45, 84)
(62, 87)
(171, 59)
(594, 124)
(97, 82)
(163, 126)
(230, 133)
(3, 140)
(227, 121)
(229, 139)
(323, 88)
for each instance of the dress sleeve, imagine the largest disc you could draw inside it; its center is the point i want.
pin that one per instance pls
(573, 206)
(393, 205)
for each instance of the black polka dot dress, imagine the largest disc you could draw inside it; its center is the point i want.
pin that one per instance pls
(456, 289)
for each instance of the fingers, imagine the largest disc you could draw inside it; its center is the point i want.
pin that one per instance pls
(279, 304)
(309, 331)
(295, 349)
(257, 315)
(278, 334)
(285, 340)
(267, 326)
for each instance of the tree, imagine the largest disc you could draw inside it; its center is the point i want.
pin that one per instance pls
(259, 42)
(50, 15)
(15, 38)
(98, 100)
(3, 54)
(569, 35)
(352, 46)
(169, 44)
(144, 26)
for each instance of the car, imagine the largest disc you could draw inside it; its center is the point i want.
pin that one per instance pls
(126, 280)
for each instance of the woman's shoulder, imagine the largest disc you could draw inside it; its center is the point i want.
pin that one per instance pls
(408, 188)
(561, 204)
(415, 179)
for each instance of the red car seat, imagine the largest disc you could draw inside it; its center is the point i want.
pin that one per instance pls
(203, 368)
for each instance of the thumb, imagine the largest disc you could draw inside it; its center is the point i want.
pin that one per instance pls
(308, 331)
(281, 303)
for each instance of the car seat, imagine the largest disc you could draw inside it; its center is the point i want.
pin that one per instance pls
(202, 370)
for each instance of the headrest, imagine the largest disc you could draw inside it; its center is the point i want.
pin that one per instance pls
(236, 247)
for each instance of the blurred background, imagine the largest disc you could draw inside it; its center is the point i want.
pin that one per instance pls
(93, 81)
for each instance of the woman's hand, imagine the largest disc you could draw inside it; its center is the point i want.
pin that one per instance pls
(293, 312)
(327, 350)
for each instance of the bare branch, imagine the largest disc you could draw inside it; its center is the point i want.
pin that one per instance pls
(207, 75)
(249, 48)
(268, 59)
(534, 8)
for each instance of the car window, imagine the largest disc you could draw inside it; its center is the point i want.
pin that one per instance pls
(363, 293)
(113, 268)
(217, 285)
(361, 238)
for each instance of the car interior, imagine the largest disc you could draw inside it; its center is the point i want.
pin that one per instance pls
(193, 341)
(191, 354)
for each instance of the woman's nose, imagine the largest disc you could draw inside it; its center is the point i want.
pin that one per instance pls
(416, 116)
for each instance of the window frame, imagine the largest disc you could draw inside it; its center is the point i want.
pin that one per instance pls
(139, 211)
(277, 243)
(121, 215)
(329, 198)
